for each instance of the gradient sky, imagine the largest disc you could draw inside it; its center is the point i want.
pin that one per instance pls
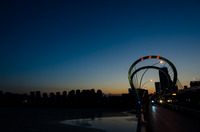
(84, 44)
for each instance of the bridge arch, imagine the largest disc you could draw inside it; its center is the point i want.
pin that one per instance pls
(131, 74)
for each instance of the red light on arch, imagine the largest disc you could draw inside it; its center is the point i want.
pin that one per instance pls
(149, 57)
(142, 59)
(157, 57)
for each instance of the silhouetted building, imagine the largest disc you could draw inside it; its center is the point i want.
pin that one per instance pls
(1, 97)
(38, 95)
(92, 96)
(99, 94)
(157, 87)
(64, 93)
(72, 93)
(52, 97)
(71, 96)
(64, 97)
(32, 97)
(45, 98)
(86, 98)
(32, 94)
(185, 87)
(194, 83)
(58, 97)
(165, 82)
(78, 92)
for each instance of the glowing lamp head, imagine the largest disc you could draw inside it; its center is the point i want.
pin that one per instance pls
(151, 80)
(160, 62)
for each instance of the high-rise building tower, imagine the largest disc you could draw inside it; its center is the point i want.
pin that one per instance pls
(157, 86)
(165, 82)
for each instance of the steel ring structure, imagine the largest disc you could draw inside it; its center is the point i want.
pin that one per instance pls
(130, 74)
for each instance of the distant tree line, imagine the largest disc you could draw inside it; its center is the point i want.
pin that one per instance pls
(84, 98)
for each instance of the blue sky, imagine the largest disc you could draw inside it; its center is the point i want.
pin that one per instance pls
(65, 45)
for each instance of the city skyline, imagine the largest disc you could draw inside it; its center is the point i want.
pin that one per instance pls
(67, 45)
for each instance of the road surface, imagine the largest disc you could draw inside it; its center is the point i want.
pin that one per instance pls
(163, 119)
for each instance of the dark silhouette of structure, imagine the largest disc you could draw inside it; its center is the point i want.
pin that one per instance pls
(194, 83)
(165, 82)
(157, 87)
(85, 98)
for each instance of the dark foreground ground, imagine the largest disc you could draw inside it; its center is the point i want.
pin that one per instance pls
(163, 119)
(25, 119)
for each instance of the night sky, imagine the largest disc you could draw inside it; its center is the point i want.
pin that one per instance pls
(81, 44)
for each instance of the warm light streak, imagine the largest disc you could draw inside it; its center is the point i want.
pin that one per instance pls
(174, 94)
(169, 101)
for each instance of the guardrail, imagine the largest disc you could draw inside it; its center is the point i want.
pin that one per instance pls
(142, 124)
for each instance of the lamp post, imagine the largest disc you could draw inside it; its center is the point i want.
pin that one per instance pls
(195, 78)
(146, 83)
(147, 70)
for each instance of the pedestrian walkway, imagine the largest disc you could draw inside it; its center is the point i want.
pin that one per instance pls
(161, 119)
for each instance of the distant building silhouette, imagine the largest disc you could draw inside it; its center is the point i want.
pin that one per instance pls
(185, 87)
(58, 97)
(38, 95)
(64, 93)
(64, 96)
(1, 97)
(194, 83)
(99, 94)
(45, 98)
(85, 98)
(71, 94)
(165, 82)
(157, 87)
(52, 98)
(78, 92)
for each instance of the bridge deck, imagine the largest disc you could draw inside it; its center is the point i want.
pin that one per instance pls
(162, 119)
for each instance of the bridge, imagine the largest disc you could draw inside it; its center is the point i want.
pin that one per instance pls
(175, 110)
(163, 119)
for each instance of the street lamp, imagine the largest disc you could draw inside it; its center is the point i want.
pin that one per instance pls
(146, 83)
(146, 71)
(195, 78)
